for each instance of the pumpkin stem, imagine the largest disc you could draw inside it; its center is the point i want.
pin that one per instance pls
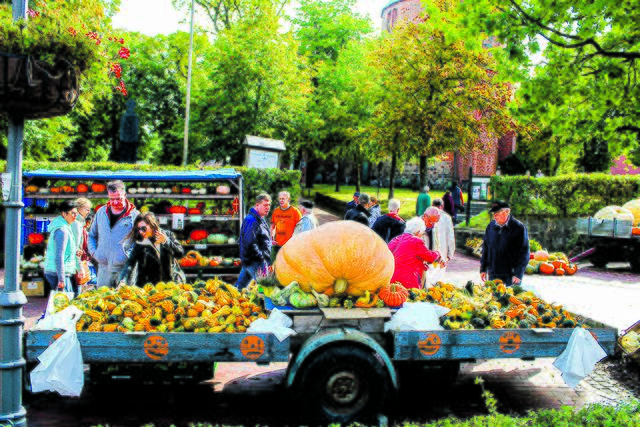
(340, 286)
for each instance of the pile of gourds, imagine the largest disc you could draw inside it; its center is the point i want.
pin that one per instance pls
(196, 259)
(211, 306)
(557, 263)
(493, 305)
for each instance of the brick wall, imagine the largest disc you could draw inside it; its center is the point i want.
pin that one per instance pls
(399, 11)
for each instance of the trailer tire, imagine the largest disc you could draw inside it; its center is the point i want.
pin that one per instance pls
(634, 257)
(344, 384)
(598, 259)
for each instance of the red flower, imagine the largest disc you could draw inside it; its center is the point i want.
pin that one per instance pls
(32, 13)
(121, 40)
(122, 88)
(124, 52)
(72, 31)
(116, 69)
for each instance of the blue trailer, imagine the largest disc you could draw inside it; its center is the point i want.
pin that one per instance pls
(341, 360)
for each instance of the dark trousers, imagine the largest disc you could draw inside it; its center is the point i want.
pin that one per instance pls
(507, 280)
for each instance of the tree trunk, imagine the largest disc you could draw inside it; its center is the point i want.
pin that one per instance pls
(338, 176)
(311, 172)
(358, 166)
(424, 174)
(392, 175)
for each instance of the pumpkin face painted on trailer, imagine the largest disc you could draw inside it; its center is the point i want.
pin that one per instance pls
(252, 347)
(341, 258)
(156, 347)
(510, 342)
(430, 345)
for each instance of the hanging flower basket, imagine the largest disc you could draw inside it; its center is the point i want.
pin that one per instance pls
(33, 89)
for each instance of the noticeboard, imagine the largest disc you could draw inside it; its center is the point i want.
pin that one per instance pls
(479, 188)
(262, 159)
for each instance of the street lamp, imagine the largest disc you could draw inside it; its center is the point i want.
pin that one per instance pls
(186, 113)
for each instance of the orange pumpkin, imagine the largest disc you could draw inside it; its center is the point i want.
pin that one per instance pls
(198, 235)
(393, 294)
(31, 189)
(56, 189)
(337, 258)
(98, 187)
(571, 269)
(635, 231)
(82, 188)
(68, 189)
(195, 211)
(547, 268)
(558, 264)
(177, 210)
(559, 271)
(35, 238)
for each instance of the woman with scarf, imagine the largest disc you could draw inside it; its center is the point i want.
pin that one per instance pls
(60, 258)
(154, 253)
(390, 225)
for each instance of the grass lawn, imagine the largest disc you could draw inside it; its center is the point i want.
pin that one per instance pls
(406, 196)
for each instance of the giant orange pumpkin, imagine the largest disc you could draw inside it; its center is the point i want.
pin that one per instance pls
(341, 257)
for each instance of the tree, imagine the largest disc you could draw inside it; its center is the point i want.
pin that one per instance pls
(585, 85)
(257, 86)
(324, 29)
(441, 94)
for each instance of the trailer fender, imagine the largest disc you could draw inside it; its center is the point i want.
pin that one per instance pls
(333, 336)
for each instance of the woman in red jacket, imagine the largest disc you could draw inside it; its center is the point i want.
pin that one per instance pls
(411, 255)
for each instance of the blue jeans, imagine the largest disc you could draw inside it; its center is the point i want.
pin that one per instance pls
(249, 272)
(52, 278)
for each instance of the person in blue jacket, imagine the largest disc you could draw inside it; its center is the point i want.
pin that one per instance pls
(505, 248)
(255, 242)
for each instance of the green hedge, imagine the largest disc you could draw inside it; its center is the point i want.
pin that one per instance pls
(565, 196)
(256, 181)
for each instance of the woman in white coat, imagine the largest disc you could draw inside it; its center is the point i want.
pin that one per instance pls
(444, 240)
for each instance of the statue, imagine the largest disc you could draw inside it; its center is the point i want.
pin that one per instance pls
(129, 134)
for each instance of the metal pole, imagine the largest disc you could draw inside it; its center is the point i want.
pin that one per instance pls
(186, 113)
(11, 297)
(469, 195)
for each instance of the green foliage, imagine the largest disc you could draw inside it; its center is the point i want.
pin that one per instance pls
(582, 84)
(565, 196)
(256, 181)
(47, 37)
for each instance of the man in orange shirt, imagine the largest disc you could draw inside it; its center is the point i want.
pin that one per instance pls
(283, 222)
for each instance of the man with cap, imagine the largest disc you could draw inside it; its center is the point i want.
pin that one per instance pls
(352, 204)
(308, 221)
(505, 248)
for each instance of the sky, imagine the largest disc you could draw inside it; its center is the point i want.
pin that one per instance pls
(153, 17)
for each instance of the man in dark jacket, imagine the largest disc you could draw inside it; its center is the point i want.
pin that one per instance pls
(352, 204)
(255, 242)
(361, 212)
(390, 225)
(505, 249)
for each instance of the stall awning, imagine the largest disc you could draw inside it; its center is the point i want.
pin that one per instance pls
(198, 175)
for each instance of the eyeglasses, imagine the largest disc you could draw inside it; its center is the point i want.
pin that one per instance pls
(143, 229)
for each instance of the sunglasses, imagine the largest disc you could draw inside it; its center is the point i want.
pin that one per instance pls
(143, 229)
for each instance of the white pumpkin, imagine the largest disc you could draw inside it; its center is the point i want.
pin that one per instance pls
(617, 212)
(634, 207)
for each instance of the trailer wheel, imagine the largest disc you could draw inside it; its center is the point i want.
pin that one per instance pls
(344, 384)
(598, 259)
(634, 257)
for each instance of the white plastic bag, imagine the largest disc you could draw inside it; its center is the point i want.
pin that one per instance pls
(277, 323)
(60, 368)
(579, 358)
(53, 305)
(417, 316)
(433, 275)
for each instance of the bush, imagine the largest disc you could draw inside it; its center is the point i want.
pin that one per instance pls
(565, 196)
(256, 181)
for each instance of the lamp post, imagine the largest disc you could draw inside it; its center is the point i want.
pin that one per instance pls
(11, 297)
(185, 150)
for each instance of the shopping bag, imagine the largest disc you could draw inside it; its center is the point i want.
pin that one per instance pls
(580, 357)
(58, 301)
(433, 275)
(83, 275)
(60, 368)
